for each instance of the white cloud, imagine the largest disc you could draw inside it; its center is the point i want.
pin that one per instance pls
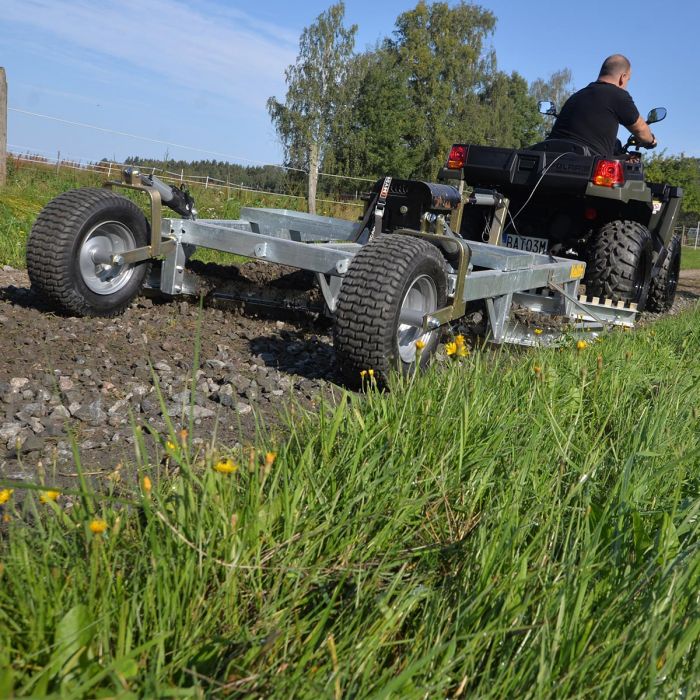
(203, 48)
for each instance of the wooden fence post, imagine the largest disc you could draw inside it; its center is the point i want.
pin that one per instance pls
(3, 127)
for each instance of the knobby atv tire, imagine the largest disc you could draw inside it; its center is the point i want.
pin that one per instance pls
(619, 263)
(58, 258)
(663, 287)
(367, 333)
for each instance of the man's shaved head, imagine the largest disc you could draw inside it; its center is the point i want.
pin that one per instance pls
(614, 66)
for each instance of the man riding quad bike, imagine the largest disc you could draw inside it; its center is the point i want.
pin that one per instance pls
(580, 193)
(558, 197)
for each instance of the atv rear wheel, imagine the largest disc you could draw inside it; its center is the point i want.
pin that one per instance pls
(663, 287)
(70, 247)
(619, 263)
(390, 285)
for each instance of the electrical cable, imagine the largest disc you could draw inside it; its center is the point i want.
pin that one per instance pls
(180, 145)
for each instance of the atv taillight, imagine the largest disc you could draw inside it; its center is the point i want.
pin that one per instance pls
(457, 157)
(608, 173)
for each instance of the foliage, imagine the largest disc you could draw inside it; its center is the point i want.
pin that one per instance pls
(433, 83)
(508, 525)
(440, 49)
(557, 89)
(513, 120)
(681, 171)
(375, 136)
(315, 91)
(264, 177)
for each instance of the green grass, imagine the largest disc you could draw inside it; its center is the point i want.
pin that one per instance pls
(690, 258)
(31, 186)
(514, 524)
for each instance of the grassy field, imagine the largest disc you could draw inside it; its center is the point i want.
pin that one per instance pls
(515, 524)
(690, 258)
(510, 524)
(30, 187)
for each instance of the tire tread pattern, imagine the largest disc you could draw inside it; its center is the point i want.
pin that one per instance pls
(613, 259)
(364, 330)
(663, 287)
(51, 243)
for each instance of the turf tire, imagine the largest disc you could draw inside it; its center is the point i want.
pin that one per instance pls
(58, 238)
(367, 332)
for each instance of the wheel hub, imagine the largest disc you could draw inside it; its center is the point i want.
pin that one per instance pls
(101, 272)
(420, 299)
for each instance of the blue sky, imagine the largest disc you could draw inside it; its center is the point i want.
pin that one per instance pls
(192, 78)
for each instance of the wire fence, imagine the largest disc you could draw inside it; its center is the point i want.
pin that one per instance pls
(113, 169)
(690, 236)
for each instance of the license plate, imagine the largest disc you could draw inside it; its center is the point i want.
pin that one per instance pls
(529, 245)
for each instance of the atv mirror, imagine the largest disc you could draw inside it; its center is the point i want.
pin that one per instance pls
(656, 115)
(547, 107)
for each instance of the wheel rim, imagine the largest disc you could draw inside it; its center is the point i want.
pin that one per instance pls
(103, 241)
(420, 299)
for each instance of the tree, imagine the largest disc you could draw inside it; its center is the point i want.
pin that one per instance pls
(513, 120)
(440, 50)
(372, 137)
(680, 171)
(557, 89)
(315, 90)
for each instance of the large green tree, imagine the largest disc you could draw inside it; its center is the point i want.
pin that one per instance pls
(316, 92)
(510, 118)
(441, 51)
(374, 136)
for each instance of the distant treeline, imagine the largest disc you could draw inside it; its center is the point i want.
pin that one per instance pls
(263, 177)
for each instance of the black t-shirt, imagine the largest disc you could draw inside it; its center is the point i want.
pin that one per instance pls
(593, 114)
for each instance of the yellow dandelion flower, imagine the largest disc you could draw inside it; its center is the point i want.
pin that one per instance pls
(371, 373)
(581, 345)
(270, 458)
(363, 373)
(419, 344)
(147, 485)
(5, 495)
(226, 466)
(450, 348)
(170, 446)
(538, 331)
(537, 370)
(98, 526)
(459, 340)
(46, 496)
(462, 351)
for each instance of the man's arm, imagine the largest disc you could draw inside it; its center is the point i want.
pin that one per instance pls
(643, 133)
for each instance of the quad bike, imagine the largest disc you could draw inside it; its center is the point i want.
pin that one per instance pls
(557, 198)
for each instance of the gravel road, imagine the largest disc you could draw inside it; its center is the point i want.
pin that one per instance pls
(65, 379)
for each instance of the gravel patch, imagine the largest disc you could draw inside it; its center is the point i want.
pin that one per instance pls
(87, 381)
